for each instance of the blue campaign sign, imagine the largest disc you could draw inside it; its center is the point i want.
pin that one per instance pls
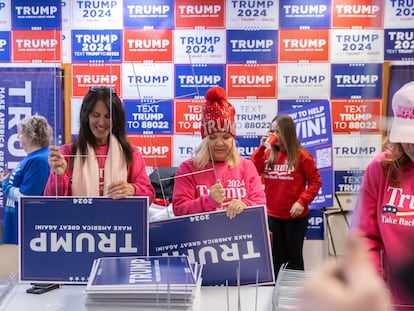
(5, 45)
(149, 117)
(296, 14)
(42, 15)
(238, 244)
(96, 45)
(26, 92)
(356, 81)
(246, 145)
(314, 130)
(59, 237)
(348, 181)
(154, 14)
(315, 225)
(248, 45)
(398, 44)
(192, 81)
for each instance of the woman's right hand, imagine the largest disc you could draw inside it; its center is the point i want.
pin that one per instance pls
(217, 192)
(56, 161)
(263, 139)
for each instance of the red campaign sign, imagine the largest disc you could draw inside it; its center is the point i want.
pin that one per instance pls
(258, 81)
(304, 44)
(153, 45)
(357, 13)
(196, 13)
(155, 149)
(36, 46)
(187, 116)
(362, 116)
(85, 76)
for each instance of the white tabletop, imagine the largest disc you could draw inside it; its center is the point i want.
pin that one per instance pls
(71, 298)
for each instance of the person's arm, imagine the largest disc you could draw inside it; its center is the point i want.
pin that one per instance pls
(258, 158)
(184, 199)
(59, 185)
(138, 177)
(312, 177)
(350, 284)
(364, 216)
(10, 191)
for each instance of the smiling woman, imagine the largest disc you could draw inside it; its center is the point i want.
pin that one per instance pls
(100, 161)
(216, 177)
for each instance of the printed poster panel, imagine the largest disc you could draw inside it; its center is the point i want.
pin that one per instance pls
(100, 15)
(302, 14)
(256, 15)
(155, 149)
(66, 15)
(27, 14)
(314, 130)
(5, 13)
(183, 147)
(304, 45)
(89, 75)
(187, 116)
(193, 81)
(348, 181)
(252, 46)
(5, 46)
(148, 14)
(355, 151)
(201, 46)
(362, 116)
(253, 116)
(41, 46)
(246, 145)
(399, 44)
(66, 46)
(60, 237)
(398, 14)
(148, 45)
(357, 13)
(194, 13)
(147, 81)
(304, 80)
(315, 225)
(238, 243)
(285, 104)
(148, 117)
(253, 81)
(96, 46)
(356, 81)
(357, 46)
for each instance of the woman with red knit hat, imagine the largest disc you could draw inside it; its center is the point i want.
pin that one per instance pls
(216, 177)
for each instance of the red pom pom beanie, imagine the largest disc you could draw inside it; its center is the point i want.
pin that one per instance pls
(217, 113)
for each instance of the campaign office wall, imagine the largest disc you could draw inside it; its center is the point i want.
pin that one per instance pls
(270, 56)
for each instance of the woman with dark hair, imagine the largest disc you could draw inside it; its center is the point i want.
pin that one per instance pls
(291, 181)
(30, 175)
(100, 161)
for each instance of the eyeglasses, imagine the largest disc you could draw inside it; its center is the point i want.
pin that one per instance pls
(105, 88)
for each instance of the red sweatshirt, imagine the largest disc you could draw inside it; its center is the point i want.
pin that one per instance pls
(284, 186)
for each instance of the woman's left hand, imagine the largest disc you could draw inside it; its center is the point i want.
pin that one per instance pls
(296, 210)
(120, 190)
(4, 175)
(234, 208)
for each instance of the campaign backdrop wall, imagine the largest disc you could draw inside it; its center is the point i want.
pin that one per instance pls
(162, 56)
